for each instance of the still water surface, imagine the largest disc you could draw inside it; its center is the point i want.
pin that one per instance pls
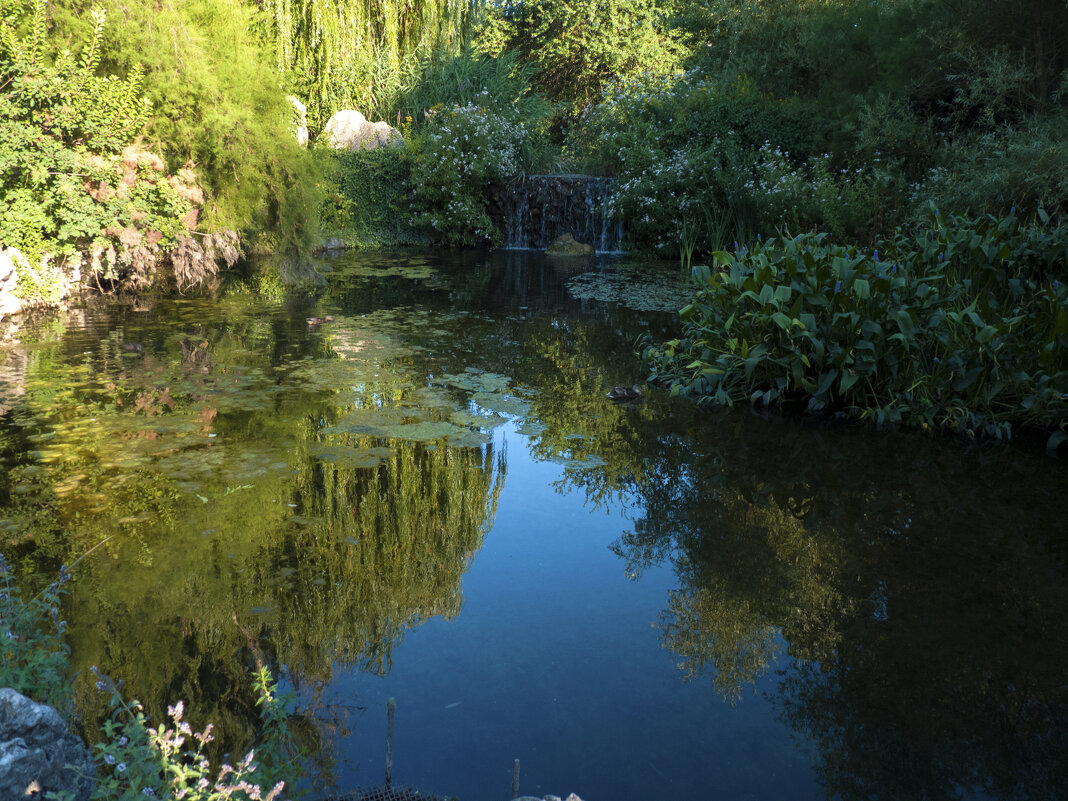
(428, 497)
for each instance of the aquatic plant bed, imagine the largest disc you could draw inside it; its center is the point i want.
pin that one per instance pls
(962, 326)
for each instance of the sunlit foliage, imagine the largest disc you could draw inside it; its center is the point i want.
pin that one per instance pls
(352, 54)
(578, 47)
(216, 105)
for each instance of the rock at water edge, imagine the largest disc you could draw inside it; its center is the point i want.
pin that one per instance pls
(567, 245)
(35, 746)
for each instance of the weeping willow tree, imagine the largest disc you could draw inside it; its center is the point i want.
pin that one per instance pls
(361, 53)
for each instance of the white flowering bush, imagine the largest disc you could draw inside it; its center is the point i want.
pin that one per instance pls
(464, 151)
(815, 194)
(676, 200)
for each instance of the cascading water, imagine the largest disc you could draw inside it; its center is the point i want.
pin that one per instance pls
(543, 207)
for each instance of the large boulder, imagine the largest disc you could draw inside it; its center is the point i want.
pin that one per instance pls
(37, 751)
(349, 129)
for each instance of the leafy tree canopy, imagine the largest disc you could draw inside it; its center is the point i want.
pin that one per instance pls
(579, 46)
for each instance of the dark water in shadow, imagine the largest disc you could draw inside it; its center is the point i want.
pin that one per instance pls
(429, 498)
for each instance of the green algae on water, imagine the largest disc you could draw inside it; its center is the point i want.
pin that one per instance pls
(637, 288)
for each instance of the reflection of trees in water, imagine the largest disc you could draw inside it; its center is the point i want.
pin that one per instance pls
(384, 549)
(951, 670)
(206, 545)
(749, 567)
(920, 586)
(749, 571)
(598, 441)
(368, 554)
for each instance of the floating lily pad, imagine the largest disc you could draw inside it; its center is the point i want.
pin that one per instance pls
(429, 398)
(503, 404)
(361, 421)
(578, 462)
(466, 438)
(532, 428)
(476, 381)
(463, 417)
(413, 270)
(636, 288)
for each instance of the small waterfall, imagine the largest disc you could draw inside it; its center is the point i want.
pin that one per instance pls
(543, 207)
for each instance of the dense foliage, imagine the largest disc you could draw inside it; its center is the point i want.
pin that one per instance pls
(578, 47)
(846, 116)
(959, 326)
(371, 205)
(216, 104)
(352, 54)
(69, 181)
(722, 120)
(465, 150)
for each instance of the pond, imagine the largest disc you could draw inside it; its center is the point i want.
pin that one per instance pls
(412, 485)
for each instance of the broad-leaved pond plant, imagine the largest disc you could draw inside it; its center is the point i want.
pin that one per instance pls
(961, 326)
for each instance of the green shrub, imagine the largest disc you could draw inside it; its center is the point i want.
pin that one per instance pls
(498, 82)
(69, 180)
(958, 327)
(825, 50)
(1025, 168)
(650, 114)
(33, 656)
(956, 102)
(578, 47)
(372, 204)
(704, 160)
(216, 106)
(462, 153)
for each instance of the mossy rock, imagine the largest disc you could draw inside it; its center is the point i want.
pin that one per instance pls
(567, 245)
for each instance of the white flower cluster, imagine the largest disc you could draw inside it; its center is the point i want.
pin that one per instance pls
(469, 148)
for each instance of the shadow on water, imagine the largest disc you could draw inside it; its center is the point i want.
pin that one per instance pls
(325, 470)
(912, 584)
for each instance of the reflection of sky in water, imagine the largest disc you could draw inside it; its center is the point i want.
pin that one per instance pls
(554, 660)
